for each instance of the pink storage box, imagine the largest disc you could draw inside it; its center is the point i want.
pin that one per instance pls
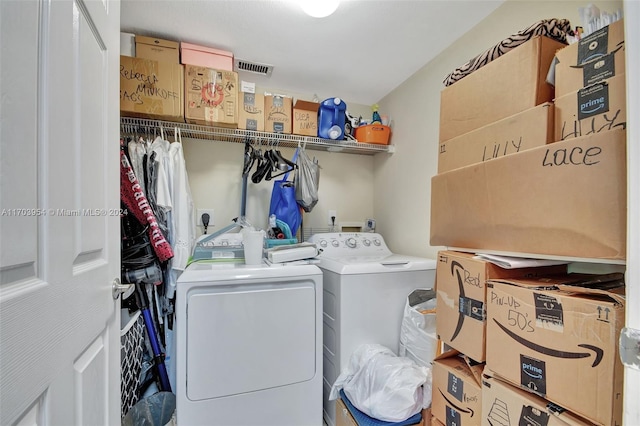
(192, 54)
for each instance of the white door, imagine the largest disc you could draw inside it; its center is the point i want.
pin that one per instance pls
(632, 41)
(59, 201)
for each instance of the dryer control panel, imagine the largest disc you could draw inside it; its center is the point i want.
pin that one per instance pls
(336, 244)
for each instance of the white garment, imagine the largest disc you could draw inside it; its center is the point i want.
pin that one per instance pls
(163, 193)
(183, 223)
(137, 151)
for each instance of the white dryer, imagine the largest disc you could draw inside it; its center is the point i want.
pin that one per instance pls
(365, 290)
(248, 345)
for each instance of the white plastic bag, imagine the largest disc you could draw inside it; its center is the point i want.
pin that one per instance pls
(418, 338)
(381, 384)
(306, 180)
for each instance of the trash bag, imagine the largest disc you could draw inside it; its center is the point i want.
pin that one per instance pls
(382, 385)
(154, 410)
(306, 181)
(418, 338)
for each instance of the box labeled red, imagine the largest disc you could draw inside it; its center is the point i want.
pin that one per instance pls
(211, 96)
(596, 57)
(193, 54)
(157, 49)
(557, 336)
(597, 108)
(513, 83)
(536, 201)
(522, 131)
(251, 111)
(278, 114)
(461, 298)
(305, 118)
(151, 89)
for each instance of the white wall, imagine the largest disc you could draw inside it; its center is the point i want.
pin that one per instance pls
(215, 176)
(402, 181)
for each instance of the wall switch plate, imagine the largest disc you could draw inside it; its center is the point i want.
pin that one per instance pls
(199, 218)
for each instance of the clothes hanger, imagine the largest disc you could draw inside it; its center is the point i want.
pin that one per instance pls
(249, 157)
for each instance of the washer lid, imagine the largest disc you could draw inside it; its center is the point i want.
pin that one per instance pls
(376, 264)
(222, 272)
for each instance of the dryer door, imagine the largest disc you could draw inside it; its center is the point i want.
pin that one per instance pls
(249, 337)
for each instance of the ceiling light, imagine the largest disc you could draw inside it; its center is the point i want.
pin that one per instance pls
(319, 8)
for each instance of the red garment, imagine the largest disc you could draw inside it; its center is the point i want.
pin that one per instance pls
(133, 197)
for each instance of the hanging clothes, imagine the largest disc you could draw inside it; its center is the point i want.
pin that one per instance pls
(137, 150)
(136, 202)
(160, 147)
(183, 222)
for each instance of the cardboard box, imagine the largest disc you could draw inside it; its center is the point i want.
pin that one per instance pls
(278, 114)
(343, 416)
(211, 96)
(436, 422)
(504, 404)
(522, 131)
(157, 49)
(461, 298)
(596, 57)
(558, 337)
(596, 108)
(456, 391)
(513, 83)
(193, 54)
(568, 198)
(151, 89)
(305, 118)
(251, 111)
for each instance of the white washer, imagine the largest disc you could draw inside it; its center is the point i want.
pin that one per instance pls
(365, 291)
(248, 345)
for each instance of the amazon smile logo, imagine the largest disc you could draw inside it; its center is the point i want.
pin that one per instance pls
(456, 407)
(596, 352)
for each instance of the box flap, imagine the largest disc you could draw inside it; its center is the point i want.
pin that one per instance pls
(157, 42)
(306, 105)
(205, 49)
(476, 369)
(608, 285)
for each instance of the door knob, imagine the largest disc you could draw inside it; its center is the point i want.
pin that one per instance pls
(119, 288)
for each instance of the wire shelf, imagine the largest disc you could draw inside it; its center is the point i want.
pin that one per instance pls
(144, 126)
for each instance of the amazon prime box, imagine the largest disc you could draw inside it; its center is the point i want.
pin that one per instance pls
(557, 337)
(457, 393)
(461, 298)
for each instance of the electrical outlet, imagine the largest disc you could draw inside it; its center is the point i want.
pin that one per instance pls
(334, 214)
(201, 212)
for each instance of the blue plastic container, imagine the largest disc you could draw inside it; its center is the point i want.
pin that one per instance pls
(331, 119)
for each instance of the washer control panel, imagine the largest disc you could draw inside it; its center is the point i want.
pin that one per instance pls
(350, 243)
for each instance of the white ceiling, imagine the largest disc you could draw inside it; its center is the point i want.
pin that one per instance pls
(362, 52)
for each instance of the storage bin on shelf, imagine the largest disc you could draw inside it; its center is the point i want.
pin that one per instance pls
(373, 133)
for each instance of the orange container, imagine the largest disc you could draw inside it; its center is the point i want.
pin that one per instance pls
(373, 133)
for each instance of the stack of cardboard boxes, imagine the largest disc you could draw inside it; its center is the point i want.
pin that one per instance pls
(532, 344)
(566, 198)
(183, 82)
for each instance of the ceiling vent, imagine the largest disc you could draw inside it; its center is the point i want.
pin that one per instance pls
(254, 67)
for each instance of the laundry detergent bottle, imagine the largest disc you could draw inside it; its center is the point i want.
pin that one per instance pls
(331, 119)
